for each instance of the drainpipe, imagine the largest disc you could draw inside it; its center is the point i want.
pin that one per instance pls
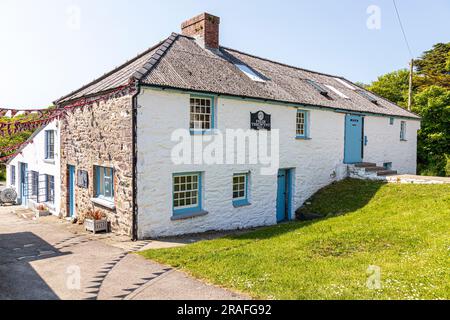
(134, 153)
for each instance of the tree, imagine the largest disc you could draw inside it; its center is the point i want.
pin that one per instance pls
(433, 67)
(393, 86)
(433, 105)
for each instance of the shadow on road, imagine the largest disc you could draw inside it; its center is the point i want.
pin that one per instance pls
(18, 278)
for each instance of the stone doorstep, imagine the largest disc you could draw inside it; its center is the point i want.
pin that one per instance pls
(386, 173)
(365, 165)
(374, 169)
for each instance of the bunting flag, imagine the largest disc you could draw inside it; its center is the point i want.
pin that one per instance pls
(42, 117)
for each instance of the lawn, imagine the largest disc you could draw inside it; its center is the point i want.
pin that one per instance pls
(402, 229)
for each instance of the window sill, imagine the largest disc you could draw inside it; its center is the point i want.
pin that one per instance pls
(241, 203)
(403, 140)
(302, 138)
(104, 203)
(50, 161)
(203, 132)
(185, 216)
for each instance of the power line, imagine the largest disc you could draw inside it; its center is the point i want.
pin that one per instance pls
(403, 30)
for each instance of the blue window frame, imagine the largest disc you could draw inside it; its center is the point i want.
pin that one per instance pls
(403, 131)
(187, 193)
(13, 175)
(49, 188)
(104, 183)
(391, 121)
(50, 144)
(240, 189)
(202, 114)
(302, 124)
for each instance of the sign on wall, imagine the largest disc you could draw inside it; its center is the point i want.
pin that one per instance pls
(260, 121)
(83, 179)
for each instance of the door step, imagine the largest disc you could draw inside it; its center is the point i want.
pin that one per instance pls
(365, 165)
(369, 171)
(386, 173)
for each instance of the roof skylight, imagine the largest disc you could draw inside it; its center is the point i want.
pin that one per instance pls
(368, 96)
(340, 94)
(345, 83)
(249, 72)
(318, 87)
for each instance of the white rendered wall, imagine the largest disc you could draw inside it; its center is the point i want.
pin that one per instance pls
(316, 163)
(384, 144)
(34, 156)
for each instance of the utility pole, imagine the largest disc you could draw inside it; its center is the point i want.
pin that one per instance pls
(410, 84)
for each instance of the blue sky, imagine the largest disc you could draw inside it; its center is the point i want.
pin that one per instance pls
(45, 53)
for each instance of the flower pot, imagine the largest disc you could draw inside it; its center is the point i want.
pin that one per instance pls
(41, 213)
(96, 225)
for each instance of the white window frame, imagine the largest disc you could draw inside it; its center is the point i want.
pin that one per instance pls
(184, 184)
(305, 124)
(239, 183)
(197, 109)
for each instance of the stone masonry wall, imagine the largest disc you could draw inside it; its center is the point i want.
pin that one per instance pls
(100, 135)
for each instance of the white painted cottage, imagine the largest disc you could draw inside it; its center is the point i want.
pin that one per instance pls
(313, 126)
(35, 172)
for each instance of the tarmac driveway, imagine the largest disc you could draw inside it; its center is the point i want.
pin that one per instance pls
(48, 261)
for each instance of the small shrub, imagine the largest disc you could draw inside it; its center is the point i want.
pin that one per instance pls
(94, 215)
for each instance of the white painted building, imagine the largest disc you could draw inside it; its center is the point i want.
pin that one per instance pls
(35, 172)
(189, 82)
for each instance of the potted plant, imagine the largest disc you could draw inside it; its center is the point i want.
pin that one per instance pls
(41, 211)
(95, 221)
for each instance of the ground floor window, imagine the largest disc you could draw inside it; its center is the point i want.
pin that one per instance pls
(240, 189)
(13, 175)
(34, 183)
(186, 193)
(104, 183)
(403, 131)
(50, 189)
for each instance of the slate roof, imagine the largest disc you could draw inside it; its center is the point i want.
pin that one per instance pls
(180, 63)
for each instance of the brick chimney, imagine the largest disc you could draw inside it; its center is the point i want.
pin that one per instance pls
(205, 28)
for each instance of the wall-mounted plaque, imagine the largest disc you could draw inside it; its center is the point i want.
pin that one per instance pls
(260, 121)
(83, 179)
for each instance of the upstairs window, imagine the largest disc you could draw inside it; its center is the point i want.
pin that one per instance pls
(391, 121)
(202, 114)
(13, 175)
(403, 131)
(250, 73)
(50, 144)
(104, 183)
(302, 124)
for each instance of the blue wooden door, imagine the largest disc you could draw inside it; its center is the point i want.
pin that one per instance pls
(71, 191)
(23, 184)
(283, 195)
(353, 139)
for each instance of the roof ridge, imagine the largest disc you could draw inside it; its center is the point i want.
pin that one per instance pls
(104, 76)
(155, 58)
(284, 64)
